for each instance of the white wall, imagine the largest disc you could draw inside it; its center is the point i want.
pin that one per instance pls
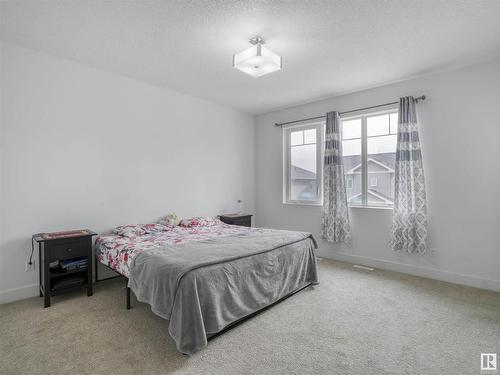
(85, 148)
(82, 148)
(460, 131)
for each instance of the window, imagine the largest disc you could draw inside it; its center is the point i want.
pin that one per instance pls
(369, 154)
(303, 164)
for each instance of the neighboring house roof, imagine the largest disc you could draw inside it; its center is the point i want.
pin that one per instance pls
(357, 168)
(380, 196)
(297, 173)
(350, 162)
(374, 194)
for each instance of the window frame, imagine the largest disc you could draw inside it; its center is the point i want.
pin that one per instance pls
(320, 137)
(365, 183)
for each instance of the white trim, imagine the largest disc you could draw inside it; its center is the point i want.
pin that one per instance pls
(388, 169)
(304, 203)
(355, 196)
(371, 207)
(19, 293)
(351, 171)
(430, 273)
(370, 172)
(304, 123)
(377, 195)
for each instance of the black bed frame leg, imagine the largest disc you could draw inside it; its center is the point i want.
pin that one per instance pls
(95, 270)
(128, 297)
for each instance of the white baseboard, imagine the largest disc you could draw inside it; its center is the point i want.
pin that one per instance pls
(21, 292)
(430, 273)
(28, 291)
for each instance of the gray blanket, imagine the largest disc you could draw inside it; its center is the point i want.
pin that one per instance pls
(201, 287)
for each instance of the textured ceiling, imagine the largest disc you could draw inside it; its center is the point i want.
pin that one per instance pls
(328, 47)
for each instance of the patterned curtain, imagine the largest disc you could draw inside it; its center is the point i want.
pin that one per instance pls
(409, 222)
(335, 225)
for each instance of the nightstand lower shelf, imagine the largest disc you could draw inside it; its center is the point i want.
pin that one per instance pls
(59, 288)
(55, 275)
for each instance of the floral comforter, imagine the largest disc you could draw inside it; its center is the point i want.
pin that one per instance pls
(117, 251)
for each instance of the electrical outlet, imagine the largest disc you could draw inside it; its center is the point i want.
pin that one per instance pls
(29, 267)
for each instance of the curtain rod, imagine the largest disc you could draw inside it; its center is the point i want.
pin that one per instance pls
(343, 113)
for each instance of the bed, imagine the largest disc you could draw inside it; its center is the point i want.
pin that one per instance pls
(204, 279)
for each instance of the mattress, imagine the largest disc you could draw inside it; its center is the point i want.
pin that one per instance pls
(117, 252)
(203, 279)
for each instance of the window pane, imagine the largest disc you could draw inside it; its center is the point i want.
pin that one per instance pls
(297, 138)
(381, 157)
(310, 136)
(382, 145)
(351, 147)
(351, 129)
(394, 123)
(303, 185)
(351, 151)
(377, 125)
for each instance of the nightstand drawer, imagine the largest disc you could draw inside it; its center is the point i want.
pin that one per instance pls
(67, 250)
(246, 222)
(242, 220)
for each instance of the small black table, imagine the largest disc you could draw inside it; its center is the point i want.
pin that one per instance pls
(237, 219)
(54, 247)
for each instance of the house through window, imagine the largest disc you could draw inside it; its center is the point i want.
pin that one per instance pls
(369, 154)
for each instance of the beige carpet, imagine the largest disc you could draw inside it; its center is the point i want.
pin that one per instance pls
(354, 322)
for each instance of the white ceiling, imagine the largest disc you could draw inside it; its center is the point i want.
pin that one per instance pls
(328, 47)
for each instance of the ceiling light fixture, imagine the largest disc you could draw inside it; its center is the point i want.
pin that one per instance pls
(257, 60)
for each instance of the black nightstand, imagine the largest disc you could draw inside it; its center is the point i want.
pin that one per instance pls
(56, 247)
(237, 219)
